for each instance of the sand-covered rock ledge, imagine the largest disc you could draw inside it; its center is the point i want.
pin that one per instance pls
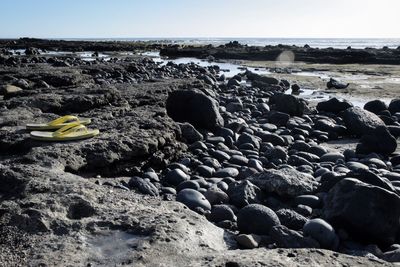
(190, 168)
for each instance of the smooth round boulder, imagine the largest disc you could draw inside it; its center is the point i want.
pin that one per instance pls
(221, 213)
(375, 106)
(193, 199)
(394, 106)
(176, 176)
(188, 184)
(332, 157)
(321, 231)
(256, 219)
(308, 200)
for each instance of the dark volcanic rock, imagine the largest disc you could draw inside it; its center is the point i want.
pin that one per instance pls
(285, 182)
(286, 238)
(194, 107)
(193, 199)
(360, 122)
(336, 84)
(367, 212)
(143, 185)
(291, 219)
(333, 105)
(244, 193)
(321, 231)
(256, 219)
(394, 106)
(380, 141)
(289, 104)
(375, 106)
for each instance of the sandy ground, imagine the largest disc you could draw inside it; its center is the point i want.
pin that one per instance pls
(366, 81)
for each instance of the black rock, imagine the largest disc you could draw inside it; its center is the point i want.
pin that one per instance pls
(368, 212)
(221, 213)
(256, 219)
(295, 88)
(379, 140)
(333, 105)
(291, 219)
(286, 238)
(244, 193)
(144, 186)
(176, 176)
(321, 231)
(189, 133)
(336, 84)
(308, 200)
(360, 122)
(394, 106)
(375, 106)
(188, 184)
(194, 107)
(289, 104)
(193, 199)
(278, 118)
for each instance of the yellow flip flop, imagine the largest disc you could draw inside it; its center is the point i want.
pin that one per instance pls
(57, 123)
(70, 132)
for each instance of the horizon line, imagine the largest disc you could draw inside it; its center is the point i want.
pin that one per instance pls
(199, 37)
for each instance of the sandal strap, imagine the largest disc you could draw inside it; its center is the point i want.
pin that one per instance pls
(63, 120)
(70, 128)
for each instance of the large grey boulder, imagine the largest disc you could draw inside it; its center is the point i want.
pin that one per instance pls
(286, 182)
(194, 107)
(368, 212)
(359, 121)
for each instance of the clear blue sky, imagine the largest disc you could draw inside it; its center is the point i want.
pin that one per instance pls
(199, 18)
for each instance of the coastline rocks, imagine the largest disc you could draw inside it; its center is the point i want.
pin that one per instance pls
(375, 106)
(368, 212)
(262, 79)
(144, 186)
(194, 107)
(190, 134)
(360, 122)
(291, 219)
(285, 182)
(176, 176)
(336, 84)
(289, 104)
(321, 231)
(248, 241)
(256, 219)
(221, 213)
(394, 106)
(244, 193)
(9, 89)
(333, 105)
(379, 141)
(286, 238)
(193, 199)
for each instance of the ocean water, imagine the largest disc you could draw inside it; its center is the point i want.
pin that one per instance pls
(313, 42)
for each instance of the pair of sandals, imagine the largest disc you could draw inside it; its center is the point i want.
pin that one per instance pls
(66, 128)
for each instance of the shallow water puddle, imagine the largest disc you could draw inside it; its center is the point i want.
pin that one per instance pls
(112, 246)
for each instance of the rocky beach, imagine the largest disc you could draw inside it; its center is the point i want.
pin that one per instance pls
(255, 156)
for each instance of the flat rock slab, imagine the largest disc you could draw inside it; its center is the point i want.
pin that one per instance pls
(285, 182)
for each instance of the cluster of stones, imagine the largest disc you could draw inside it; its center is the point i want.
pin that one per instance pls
(258, 167)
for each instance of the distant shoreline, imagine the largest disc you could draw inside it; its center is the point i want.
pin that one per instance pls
(338, 43)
